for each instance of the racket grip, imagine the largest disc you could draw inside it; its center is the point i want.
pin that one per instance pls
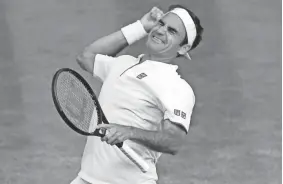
(135, 158)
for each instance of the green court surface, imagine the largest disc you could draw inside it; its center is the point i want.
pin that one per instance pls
(235, 137)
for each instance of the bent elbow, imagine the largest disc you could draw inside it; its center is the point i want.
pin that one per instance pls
(85, 62)
(174, 150)
(80, 61)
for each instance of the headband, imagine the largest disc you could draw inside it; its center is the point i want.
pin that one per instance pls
(188, 23)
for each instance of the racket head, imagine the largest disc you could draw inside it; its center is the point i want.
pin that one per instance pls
(76, 102)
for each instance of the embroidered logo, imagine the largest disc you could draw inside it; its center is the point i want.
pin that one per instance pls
(180, 113)
(141, 76)
(183, 115)
(177, 112)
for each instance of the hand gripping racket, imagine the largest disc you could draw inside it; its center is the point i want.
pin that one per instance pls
(78, 106)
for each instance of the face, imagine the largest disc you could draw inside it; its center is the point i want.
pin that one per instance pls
(165, 38)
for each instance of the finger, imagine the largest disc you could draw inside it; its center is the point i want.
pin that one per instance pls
(108, 134)
(105, 126)
(113, 138)
(104, 138)
(156, 16)
(157, 12)
(153, 9)
(119, 140)
(156, 9)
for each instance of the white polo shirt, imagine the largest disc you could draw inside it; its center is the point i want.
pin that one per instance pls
(136, 94)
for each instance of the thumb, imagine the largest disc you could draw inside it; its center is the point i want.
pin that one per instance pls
(103, 126)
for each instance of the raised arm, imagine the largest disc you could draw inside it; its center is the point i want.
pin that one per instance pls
(109, 45)
(114, 43)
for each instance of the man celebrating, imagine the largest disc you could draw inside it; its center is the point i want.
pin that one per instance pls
(146, 101)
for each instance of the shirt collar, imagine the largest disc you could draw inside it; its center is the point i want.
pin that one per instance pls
(160, 64)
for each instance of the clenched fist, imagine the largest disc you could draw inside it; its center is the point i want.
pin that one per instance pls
(116, 133)
(150, 19)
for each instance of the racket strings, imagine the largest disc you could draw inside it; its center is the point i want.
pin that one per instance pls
(76, 102)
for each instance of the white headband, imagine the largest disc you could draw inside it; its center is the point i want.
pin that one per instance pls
(188, 23)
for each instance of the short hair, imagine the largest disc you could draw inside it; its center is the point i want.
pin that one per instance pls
(199, 28)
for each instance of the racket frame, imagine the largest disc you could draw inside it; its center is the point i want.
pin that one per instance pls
(101, 118)
(59, 108)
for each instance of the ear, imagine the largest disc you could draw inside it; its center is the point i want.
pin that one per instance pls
(184, 49)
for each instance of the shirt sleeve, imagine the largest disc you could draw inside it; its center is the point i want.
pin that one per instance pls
(178, 104)
(102, 65)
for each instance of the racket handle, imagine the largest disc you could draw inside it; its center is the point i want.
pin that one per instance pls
(134, 157)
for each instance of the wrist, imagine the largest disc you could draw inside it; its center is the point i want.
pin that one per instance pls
(133, 132)
(134, 32)
(145, 26)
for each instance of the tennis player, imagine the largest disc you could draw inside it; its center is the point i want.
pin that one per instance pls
(148, 104)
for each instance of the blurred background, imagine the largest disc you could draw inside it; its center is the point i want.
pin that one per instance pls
(235, 136)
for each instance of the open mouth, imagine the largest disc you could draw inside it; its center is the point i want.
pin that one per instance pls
(156, 39)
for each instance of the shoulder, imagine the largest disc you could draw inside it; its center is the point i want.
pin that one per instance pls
(183, 84)
(126, 60)
(177, 82)
(127, 57)
(179, 87)
(121, 57)
(174, 89)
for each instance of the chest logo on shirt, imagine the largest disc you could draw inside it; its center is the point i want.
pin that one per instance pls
(141, 76)
(180, 113)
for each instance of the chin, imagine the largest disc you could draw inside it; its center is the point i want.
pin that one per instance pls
(153, 47)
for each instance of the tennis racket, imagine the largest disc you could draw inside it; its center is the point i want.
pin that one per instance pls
(78, 106)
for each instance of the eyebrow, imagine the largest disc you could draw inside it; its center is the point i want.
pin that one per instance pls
(169, 27)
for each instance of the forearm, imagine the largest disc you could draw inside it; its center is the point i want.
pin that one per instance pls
(161, 141)
(114, 43)
(109, 45)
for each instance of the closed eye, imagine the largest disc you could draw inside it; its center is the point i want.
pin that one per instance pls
(172, 30)
(161, 23)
